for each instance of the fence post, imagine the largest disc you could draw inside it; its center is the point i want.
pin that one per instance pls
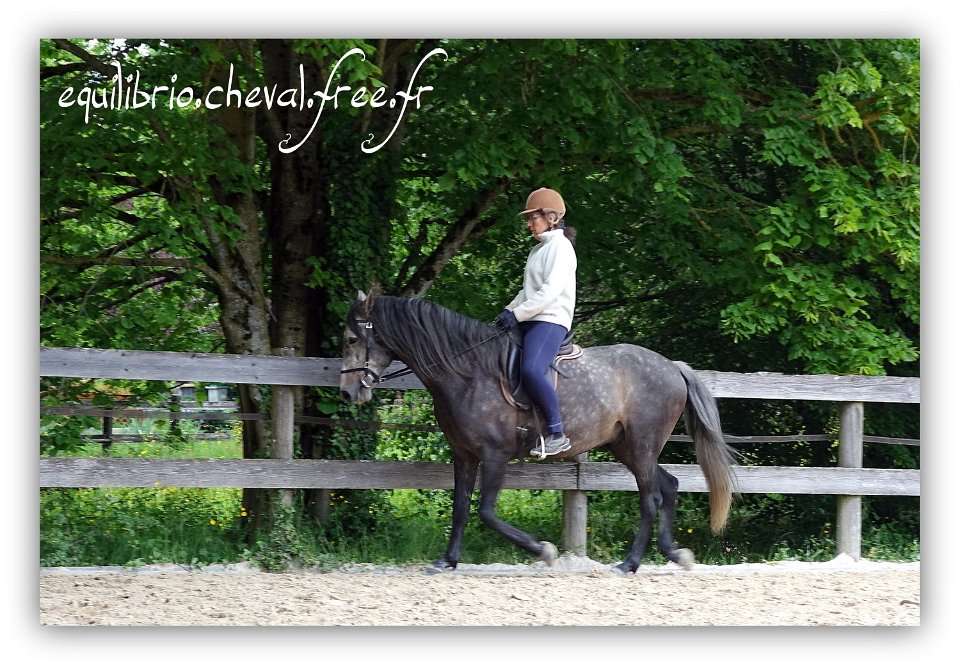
(282, 423)
(175, 428)
(107, 435)
(574, 535)
(849, 519)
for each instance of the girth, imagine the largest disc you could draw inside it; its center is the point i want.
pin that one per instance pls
(511, 382)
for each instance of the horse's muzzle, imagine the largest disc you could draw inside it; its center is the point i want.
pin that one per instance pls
(356, 393)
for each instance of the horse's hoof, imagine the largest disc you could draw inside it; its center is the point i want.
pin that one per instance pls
(684, 558)
(623, 569)
(439, 567)
(548, 553)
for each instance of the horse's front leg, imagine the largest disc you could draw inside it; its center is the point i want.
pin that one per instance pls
(494, 471)
(464, 480)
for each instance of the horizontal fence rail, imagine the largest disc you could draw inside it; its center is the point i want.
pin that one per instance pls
(849, 481)
(322, 372)
(329, 474)
(160, 413)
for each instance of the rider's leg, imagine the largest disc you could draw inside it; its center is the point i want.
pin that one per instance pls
(541, 342)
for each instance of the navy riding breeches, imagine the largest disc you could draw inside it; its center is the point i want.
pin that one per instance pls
(541, 342)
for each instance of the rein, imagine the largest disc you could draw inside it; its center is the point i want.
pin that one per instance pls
(369, 372)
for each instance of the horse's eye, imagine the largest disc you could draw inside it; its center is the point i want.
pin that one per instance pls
(352, 340)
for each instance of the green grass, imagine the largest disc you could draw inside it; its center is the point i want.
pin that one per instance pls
(159, 442)
(138, 526)
(160, 449)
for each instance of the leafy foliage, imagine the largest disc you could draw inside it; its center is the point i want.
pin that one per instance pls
(780, 177)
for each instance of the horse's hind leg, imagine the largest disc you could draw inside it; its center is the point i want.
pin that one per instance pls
(658, 493)
(641, 461)
(464, 480)
(649, 501)
(668, 485)
(638, 451)
(494, 471)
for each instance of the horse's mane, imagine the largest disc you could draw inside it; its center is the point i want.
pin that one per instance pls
(434, 341)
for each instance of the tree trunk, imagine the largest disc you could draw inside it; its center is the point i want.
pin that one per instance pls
(244, 313)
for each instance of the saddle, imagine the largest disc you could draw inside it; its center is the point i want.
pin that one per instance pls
(511, 382)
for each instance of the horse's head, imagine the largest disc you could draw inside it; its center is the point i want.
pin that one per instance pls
(364, 358)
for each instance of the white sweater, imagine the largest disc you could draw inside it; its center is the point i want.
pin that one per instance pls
(549, 291)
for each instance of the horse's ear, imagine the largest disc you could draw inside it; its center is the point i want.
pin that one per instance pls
(365, 301)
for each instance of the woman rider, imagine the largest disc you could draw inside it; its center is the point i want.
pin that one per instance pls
(543, 309)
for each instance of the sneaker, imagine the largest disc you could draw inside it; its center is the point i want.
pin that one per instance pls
(551, 445)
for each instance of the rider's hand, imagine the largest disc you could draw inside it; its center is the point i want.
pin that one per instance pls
(505, 320)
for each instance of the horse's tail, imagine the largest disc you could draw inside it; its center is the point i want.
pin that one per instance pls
(715, 456)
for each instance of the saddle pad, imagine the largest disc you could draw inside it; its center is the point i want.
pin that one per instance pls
(575, 352)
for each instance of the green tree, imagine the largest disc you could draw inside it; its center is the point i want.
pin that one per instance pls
(774, 183)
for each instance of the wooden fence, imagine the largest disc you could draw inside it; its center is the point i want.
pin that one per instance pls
(849, 481)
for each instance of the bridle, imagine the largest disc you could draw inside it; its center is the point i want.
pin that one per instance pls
(368, 373)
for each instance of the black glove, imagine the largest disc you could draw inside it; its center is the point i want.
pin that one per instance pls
(505, 320)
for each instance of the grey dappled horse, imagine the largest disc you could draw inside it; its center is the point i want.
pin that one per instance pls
(623, 396)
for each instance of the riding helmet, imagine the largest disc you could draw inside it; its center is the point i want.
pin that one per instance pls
(545, 199)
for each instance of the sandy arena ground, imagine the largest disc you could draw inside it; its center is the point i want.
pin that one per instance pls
(575, 592)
